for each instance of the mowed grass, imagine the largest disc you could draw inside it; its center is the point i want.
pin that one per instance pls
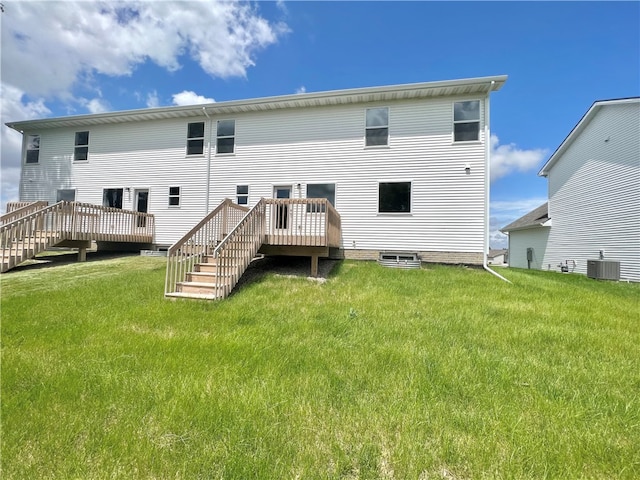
(444, 372)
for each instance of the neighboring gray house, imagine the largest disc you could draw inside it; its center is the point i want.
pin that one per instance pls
(497, 256)
(593, 212)
(406, 166)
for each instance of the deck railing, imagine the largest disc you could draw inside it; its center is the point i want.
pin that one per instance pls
(16, 210)
(309, 222)
(201, 240)
(235, 252)
(72, 221)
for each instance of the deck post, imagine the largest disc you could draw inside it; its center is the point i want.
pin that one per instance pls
(82, 254)
(314, 265)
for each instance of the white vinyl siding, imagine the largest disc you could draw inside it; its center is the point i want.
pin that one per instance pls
(295, 147)
(593, 193)
(535, 238)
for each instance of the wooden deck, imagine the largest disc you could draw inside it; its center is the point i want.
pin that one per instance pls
(209, 260)
(32, 228)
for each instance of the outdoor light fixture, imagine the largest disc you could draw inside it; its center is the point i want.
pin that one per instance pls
(467, 169)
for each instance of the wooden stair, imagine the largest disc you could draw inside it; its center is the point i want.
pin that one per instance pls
(19, 250)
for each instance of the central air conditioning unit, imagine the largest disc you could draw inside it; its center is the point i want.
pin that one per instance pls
(603, 269)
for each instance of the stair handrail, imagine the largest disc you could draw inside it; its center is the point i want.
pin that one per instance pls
(200, 241)
(21, 211)
(239, 247)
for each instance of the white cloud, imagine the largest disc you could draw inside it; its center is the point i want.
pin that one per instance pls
(111, 38)
(152, 99)
(301, 89)
(97, 105)
(187, 97)
(507, 159)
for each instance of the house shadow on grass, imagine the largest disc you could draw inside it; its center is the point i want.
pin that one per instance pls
(285, 266)
(57, 258)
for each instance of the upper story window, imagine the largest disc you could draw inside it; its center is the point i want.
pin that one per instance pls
(33, 149)
(394, 197)
(225, 136)
(195, 138)
(174, 196)
(321, 190)
(81, 150)
(377, 127)
(466, 121)
(242, 194)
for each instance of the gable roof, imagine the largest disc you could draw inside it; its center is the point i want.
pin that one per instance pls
(493, 253)
(535, 218)
(582, 124)
(467, 86)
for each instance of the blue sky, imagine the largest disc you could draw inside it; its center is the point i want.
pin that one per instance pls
(101, 56)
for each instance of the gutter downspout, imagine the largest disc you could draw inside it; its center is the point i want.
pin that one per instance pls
(487, 155)
(206, 201)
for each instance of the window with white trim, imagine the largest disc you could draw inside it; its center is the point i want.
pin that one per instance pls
(66, 195)
(321, 190)
(377, 127)
(466, 121)
(195, 138)
(394, 197)
(242, 194)
(81, 147)
(174, 196)
(112, 197)
(225, 136)
(33, 149)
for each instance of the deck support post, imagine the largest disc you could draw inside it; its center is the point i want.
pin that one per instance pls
(82, 254)
(314, 265)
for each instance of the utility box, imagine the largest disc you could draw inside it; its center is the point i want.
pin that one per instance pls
(603, 269)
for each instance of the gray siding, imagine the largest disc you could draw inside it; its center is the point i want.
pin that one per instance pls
(594, 193)
(536, 238)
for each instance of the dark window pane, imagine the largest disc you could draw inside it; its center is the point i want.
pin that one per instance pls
(377, 136)
(466, 132)
(466, 110)
(112, 197)
(66, 195)
(32, 156)
(225, 145)
(395, 197)
(377, 117)
(195, 130)
(226, 128)
(242, 200)
(174, 201)
(81, 154)
(174, 190)
(322, 190)
(82, 138)
(195, 147)
(242, 189)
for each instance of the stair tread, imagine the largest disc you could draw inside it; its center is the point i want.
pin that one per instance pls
(201, 284)
(203, 296)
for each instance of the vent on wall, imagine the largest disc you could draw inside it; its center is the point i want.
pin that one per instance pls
(603, 269)
(399, 260)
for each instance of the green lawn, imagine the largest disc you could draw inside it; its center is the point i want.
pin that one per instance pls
(443, 373)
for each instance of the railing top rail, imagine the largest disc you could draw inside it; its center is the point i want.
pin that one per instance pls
(240, 224)
(225, 203)
(21, 211)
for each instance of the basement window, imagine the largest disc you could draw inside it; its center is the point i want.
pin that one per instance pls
(195, 138)
(225, 136)
(33, 149)
(112, 197)
(377, 127)
(394, 197)
(242, 194)
(81, 150)
(174, 196)
(466, 121)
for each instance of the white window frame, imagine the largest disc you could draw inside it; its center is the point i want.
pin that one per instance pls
(458, 122)
(366, 127)
(77, 146)
(178, 196)
(223, 137)
(190, 139)
(244, 195)
(410, 182)
(113, 188)
(29, 143)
